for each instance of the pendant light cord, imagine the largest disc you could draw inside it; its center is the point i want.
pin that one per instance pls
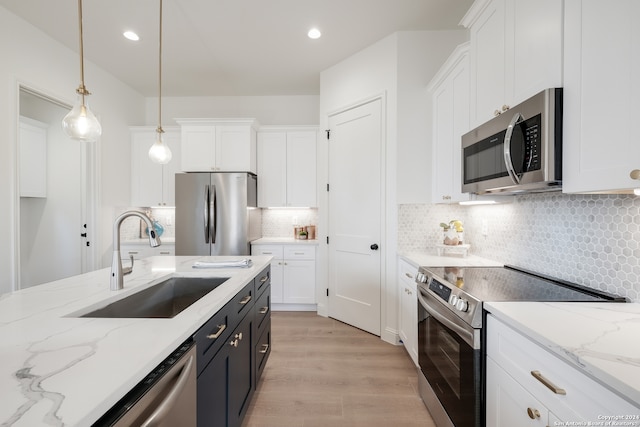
(82, 90)
(160, 130)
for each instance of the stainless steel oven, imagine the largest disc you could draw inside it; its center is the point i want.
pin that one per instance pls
(450, 336)
(449, 355)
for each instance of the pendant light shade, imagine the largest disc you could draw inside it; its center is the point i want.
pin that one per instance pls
(159, 151)
(80, 123)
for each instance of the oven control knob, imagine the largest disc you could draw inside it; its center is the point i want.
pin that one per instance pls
(453, 299)
(462, 305)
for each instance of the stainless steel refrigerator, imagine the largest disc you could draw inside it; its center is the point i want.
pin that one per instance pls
(216, 213)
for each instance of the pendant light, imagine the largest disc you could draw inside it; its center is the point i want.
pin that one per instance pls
(80, 123)
(159, 151)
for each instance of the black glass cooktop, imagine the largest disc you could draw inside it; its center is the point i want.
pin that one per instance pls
(511, 284)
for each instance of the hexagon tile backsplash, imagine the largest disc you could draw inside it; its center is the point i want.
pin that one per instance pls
(592, 240)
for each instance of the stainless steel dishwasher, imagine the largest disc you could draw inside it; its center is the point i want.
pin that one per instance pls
(164, 398)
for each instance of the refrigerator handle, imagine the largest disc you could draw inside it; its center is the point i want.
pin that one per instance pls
(213, 214)
(206, 214)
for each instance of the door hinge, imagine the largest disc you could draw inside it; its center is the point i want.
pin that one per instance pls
(327, 291)
(327, 240)
(328, 133)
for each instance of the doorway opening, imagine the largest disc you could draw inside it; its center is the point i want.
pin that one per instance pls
(56, 194)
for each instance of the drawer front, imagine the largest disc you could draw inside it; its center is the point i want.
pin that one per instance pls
(532, 366)
(262, 281)
(268, 250)
(407, 271)
(211, 336)
(263, 310)
(263, 350)
(299, 252)
(242, 303)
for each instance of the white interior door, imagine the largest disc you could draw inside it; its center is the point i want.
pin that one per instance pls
(355, 195)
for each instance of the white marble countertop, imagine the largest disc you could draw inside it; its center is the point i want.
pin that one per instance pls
(431, 259)
(283, 241)
(62, 370)
(601, 339)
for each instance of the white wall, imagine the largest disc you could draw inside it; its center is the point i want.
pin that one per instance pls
(398, 66)
(32, 58)
(268, 110)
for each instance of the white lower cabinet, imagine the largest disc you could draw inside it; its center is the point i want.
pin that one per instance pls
(529, 386)
(408, 319)
(293, 275)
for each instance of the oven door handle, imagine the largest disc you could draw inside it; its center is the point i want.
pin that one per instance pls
(462, 332)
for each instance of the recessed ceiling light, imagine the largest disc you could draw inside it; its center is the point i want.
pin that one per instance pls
(131, 35)
(314, 33)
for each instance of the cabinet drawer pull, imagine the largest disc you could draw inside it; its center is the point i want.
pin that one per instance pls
(221, 329)
(239, 337)
(410, 276)
(132, 252)
(265, 348)
(264, 310)
(551, 386)
(266, 253)
(298, 253)
(264, 279)
(234, 343)
(165, 253)
(245, 300)
(533, 413)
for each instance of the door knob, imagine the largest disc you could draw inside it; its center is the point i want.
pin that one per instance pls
(374, 247)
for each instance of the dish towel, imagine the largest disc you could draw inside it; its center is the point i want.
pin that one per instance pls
(243, 263)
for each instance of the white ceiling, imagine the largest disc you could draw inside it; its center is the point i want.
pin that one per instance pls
(230, 47)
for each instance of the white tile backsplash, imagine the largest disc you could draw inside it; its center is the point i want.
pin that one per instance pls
(280, 222)
(592, 240)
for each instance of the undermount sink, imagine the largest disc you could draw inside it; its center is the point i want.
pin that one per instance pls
(164, 300)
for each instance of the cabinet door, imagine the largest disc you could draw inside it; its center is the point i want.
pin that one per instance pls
(272, 169)
(601, 92)
(450, 122)
(241, 373)
(198, 150)
(301, 169)
(299, 282)
(213, 386)
(146, 176)
(172, 139)
(33, 158)
(487, 35)
(408, 328)
(534, 43)
(153, 184)
(235, 148)
(277, 281)
(508, 403)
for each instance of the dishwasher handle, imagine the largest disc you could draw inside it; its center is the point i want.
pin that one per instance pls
(169, 401)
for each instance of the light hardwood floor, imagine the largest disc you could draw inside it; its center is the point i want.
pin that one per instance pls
(322, 372)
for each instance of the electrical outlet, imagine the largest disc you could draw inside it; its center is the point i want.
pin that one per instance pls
(484, 228)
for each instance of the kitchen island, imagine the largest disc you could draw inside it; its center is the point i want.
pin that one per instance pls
(60, 369)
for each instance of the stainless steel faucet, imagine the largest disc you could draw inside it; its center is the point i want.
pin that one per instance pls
(117, 272)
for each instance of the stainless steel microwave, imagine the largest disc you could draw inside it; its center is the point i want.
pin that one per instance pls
(518, 151)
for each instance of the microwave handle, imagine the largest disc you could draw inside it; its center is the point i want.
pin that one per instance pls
(507, 148)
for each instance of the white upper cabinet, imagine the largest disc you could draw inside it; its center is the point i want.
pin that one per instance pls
(450, 96)
(516, 52)
(601, 92)
(33, 158)
(153, 184)
(287, 167)
(218, 145)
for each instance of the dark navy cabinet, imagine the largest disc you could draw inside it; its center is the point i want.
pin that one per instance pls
(231, 348)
